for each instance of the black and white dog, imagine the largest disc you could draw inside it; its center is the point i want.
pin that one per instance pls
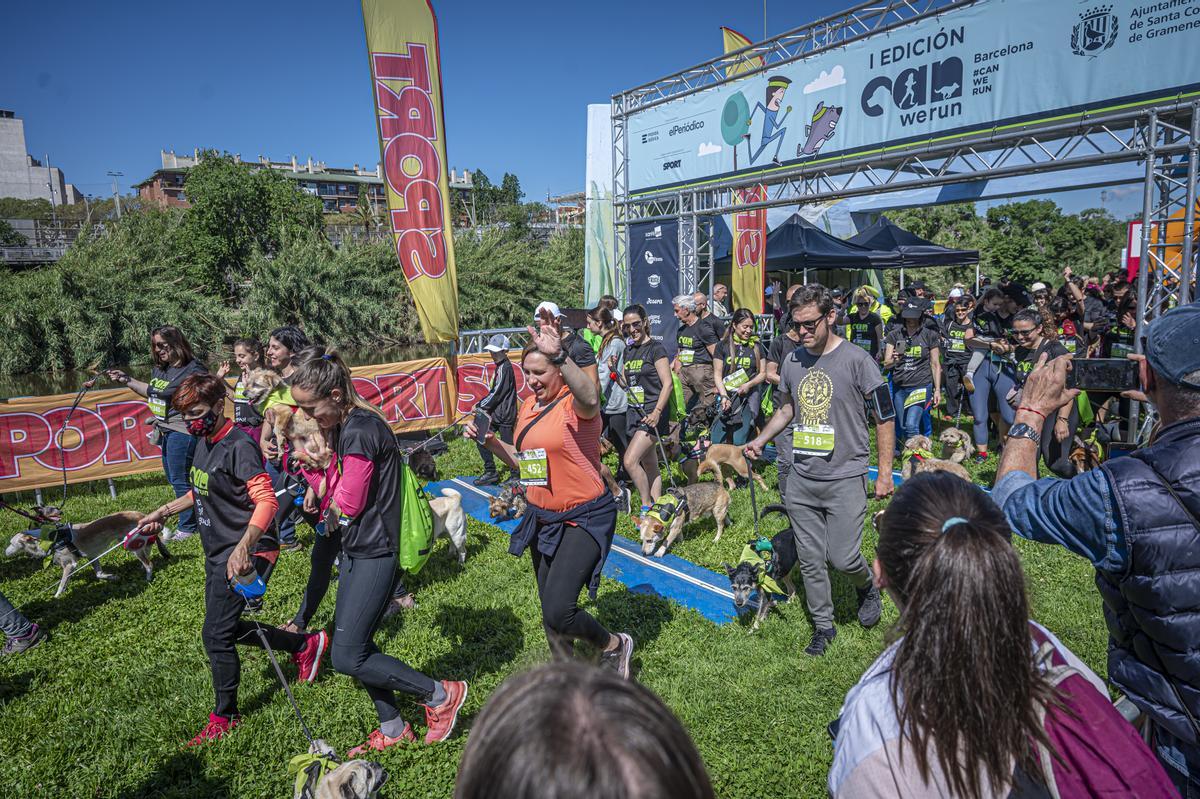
(752, 570)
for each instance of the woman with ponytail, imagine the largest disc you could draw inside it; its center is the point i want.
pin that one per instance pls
(365, 510)
(962, 704)
(740, 375)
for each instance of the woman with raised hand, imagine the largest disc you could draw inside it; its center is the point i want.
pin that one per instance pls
(172, 363)
(365, 509)
(569, 525)
(974, 699)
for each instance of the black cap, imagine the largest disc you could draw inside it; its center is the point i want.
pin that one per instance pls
(917, 284)
(836, 292)
(912, 310)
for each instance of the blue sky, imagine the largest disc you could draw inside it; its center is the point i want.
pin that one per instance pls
(105, 86)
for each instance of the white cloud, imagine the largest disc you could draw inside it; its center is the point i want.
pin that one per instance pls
(827, 80)
(708, 148)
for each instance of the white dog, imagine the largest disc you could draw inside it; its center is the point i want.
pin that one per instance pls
(450, 521)
(90, 539)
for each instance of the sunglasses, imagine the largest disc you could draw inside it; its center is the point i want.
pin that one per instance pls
(1023, 333)
(810, 326)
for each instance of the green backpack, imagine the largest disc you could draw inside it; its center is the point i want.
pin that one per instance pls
(416, 522)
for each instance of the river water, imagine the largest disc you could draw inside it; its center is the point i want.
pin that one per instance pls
(68, 382)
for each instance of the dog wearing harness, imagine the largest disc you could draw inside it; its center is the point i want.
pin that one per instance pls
(664, 522)
(764, 568)
(69, 545)
(918, 457)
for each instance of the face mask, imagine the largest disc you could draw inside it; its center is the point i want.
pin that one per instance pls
(203, 426)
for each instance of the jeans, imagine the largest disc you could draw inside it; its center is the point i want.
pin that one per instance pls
(990, 381)
(224, 627)
(12, 623)
(505, 432)
(177, 451)
(364, 590)
(559, 580)
(738, 429)
(285, 517)
(1180, 760)
(910, 418)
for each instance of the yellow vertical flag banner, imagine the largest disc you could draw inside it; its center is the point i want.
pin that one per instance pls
(734, 41)
(406, 79)
(749, 250)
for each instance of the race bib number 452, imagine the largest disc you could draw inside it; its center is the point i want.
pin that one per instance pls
(534, 467)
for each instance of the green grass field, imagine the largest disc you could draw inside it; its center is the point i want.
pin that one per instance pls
(102, 709)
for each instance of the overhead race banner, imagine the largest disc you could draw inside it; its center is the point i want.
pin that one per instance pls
(749, 250)
(107, 433)
(988, 65)
(406, 78)
(654, 276)
(598, 257)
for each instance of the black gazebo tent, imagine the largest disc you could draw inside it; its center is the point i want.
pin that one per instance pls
(797, 245)
(912, 249)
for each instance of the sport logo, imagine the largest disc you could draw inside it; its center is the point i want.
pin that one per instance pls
(655, 279)
(668, 165)
(652, 259)
(1095, 32)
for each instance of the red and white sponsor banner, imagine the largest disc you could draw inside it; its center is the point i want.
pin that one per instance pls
(107, 433)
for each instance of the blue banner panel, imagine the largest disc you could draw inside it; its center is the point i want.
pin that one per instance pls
(977, 68)
(654, 275)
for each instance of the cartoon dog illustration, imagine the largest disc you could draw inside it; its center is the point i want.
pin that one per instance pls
(824, 125)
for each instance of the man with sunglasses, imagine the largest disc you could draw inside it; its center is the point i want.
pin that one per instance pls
(696, 342)
(1058, 429)
(829, 383)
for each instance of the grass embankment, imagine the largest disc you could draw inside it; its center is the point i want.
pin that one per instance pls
(101, 710)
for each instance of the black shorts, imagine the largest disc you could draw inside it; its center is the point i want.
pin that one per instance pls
(634, 423)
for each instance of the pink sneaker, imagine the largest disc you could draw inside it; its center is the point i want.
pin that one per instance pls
(441, 719)
(308, 659)
(377, 741)
(215, 730)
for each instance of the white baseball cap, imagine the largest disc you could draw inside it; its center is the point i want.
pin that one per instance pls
(1038, 287)
(955, 293)
(547, 306)
(497, 343)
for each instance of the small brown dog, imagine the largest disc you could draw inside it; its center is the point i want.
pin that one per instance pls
(258, 384)
(676, 508)
(90, 540)
(719, 455)
(1085, 455)
(509, 503)
(917, 459)
(956, 445)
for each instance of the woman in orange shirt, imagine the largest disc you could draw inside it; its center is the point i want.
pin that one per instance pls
(569, 526)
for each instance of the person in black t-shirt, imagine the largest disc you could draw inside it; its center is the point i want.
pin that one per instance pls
(1058, 430)
(696, 344)
(366, 509)
(739, 376)
(957, 328)
(863, 328)
(988, 383)
(173, 362)
(914, 353)
(235, 504)
(781, 346)
(248, 354)
(578, 350)
(648, 387)
(707, 316)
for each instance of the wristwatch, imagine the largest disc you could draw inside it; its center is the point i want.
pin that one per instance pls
(1022, 430)
(560, 359)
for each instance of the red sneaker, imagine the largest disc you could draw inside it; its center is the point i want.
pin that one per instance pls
(215, 729)
(308, 659)
(441, 719)
(377, 741)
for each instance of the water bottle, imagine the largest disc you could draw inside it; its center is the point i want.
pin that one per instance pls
(249, 585)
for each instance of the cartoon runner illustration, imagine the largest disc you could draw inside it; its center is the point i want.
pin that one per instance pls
(772, 129)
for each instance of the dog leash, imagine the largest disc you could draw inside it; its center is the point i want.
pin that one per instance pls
(438, 434)
(87, 385)
(753, 496)
(262, 635)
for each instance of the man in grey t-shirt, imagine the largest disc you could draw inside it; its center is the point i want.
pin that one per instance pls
(830, 382)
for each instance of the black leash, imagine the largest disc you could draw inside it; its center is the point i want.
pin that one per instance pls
(62, 455)
(36, 518)
(283, 681)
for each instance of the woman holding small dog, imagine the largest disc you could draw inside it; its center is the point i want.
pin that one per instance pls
(648, 386)
(975, 699)
(740, 375)
(172, 363)
(233, 498)
(283, 346)
(248, 354)
(571, 517)
(365, 508)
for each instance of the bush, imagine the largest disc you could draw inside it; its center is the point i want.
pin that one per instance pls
(501, 279)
